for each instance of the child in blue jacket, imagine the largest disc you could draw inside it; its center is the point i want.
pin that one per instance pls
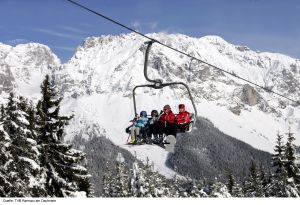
(138, 126)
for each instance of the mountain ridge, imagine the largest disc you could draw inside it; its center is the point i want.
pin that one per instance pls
(97, 85)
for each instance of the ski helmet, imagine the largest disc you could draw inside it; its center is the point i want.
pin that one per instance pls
(154, 113)
(144, 113)
(167, 107)
(181, 106)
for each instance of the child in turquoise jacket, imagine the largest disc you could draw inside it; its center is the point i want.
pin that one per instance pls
(138, 125)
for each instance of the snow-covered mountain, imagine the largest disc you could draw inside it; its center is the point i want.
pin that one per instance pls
(23, 67)
(97, 85)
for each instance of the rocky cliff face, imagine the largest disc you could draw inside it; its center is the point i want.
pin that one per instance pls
(23, 67)
(249, 95)
(6, 79)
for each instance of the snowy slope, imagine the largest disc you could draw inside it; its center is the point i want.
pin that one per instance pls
(97, 84)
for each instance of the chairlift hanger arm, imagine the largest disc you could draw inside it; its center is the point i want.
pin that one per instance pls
(158, 83)
(154, 86)
(149, 45)
(133, 96)
(189, 92)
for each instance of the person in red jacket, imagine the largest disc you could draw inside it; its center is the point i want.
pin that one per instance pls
(182, 118)
(167, 121)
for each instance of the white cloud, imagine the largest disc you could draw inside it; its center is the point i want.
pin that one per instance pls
(17, 41)
(170, 30)
(153, 25)
(59, 34)
(136, 25)
(65, 48)
(144, 25)
(72, 29)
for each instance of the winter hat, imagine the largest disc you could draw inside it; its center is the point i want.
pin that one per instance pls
(167, 107)
(154, 112)
(144, 113)
(181, 106)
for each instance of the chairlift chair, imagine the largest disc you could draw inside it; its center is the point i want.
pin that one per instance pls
(158, 84)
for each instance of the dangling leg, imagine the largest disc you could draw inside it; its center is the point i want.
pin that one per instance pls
(137, 132)
(134, 133)
(151, 131)
(161, 132)
(171, 129)
(156, 131)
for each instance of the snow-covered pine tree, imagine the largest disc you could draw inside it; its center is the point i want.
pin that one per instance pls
(196, 189)
(5, 156)
(278, 183)
(278, 186)
(146, 182)
(175, 186)
(120, 186)
(269, 181)
(219, 190)
(289, 163)
(154, 183)
(178, 189)
(36, 187)
(230, 183)
(244, 187)
(22, 168)
(5, 185)
(107, 182)
(149, 182)
(161, 186)
(137, 181)
(265, 180)
(292, 170)
(233, 188)
(143, 181)
(278, 157)
(31, 112)
(65, 177)
(2, 113)
(282, 187)
(253, 186)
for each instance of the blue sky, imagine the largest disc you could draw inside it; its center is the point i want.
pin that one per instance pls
(265, 25)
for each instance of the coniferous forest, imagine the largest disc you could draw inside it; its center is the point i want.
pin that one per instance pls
(142, 181)
(35, 161)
